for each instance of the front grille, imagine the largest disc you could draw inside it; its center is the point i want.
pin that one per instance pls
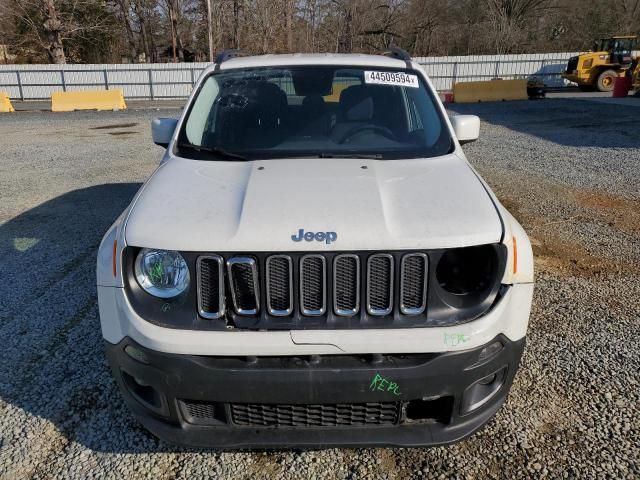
(243, 279)
(279, 285)
(413, 284)
(380, 284)
(321, 415)
(210, 272)
(352, 286)
(572, 64)
(313, 285)
(346, 284)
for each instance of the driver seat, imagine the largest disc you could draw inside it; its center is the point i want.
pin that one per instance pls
(355, 109)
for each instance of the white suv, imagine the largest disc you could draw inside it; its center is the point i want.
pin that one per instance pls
(314, 262)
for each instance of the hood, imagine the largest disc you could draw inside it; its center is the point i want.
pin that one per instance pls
(347, 204)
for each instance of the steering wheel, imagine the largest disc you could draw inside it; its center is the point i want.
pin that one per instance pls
(384, 131)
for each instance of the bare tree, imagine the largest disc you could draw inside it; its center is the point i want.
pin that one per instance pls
(508, 19)
(127, 19)
(58, 27)
(53, 30)
(81, 30)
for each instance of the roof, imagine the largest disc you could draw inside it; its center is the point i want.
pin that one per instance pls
(312, 59)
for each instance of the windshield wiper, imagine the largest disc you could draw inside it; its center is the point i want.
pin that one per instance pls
(373, 156)
(216, 151)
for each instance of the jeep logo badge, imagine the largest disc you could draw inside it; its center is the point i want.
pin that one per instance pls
(327, 237)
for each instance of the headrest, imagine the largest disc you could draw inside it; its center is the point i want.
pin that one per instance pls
(356, 103)
(270, 102)
(313, 102)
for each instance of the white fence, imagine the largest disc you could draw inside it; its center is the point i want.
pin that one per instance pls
(169, 80)
(445, 71)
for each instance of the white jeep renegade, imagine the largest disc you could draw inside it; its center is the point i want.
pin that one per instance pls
(313, 263)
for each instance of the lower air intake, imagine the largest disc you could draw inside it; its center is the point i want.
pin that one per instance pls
(322, 415)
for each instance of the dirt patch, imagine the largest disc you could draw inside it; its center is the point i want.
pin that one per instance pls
(114, 125)
(622, 213)
(564, 256)
(553, 249)
(122, 133)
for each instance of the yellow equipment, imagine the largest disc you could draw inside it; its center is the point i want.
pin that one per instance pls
(5, 103)
(490, 91)
(88, 100)
(599, 68)
(635, 77)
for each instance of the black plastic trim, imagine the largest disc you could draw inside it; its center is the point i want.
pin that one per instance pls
(442, 308)
(221, 381)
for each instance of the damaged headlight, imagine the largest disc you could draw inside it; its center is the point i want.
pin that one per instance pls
(468, 278)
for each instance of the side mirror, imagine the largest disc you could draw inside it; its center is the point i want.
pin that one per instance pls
(466, 128)
(162, 130)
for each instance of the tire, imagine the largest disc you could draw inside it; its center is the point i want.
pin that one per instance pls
(606, 79)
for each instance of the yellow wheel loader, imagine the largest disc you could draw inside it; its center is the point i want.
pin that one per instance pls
(598, 68)
(635, 77)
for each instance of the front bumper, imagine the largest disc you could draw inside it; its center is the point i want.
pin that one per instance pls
(581, 78)
(317, 400)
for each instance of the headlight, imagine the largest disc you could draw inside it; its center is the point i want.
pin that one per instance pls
(162, 273)
(467, 276)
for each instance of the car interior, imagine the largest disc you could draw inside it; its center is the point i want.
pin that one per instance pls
(259, 114)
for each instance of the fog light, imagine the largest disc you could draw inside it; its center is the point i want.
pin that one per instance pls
(488, 380)
(483, 390)
(136, 354)
(145, 393)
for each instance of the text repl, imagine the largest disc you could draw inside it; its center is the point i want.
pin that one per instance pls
(381, 384)
(327, 237)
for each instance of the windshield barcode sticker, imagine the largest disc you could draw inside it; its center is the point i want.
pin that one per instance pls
(392, 78)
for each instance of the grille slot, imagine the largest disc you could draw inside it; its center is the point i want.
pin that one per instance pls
(320, 415)
(572, 64)
(243, 279)
(380, 284)
(200, 410)
(210, 273)
(313, 285)
(279, 285)
(413, 283)
(346, 285)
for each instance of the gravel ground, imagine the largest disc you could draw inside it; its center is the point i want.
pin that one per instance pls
(568, 171)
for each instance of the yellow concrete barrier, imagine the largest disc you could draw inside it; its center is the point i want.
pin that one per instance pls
(490, 91)
(88, 100)
(5, 103)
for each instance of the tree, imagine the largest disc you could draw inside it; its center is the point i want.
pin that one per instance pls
(59, 29)
(509, 19)
(106, 30)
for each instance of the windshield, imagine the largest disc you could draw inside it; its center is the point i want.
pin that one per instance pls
(313, 111)
(618, 45)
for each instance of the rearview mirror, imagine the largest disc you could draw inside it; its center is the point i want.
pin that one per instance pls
(466, 128)
(162, 130)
